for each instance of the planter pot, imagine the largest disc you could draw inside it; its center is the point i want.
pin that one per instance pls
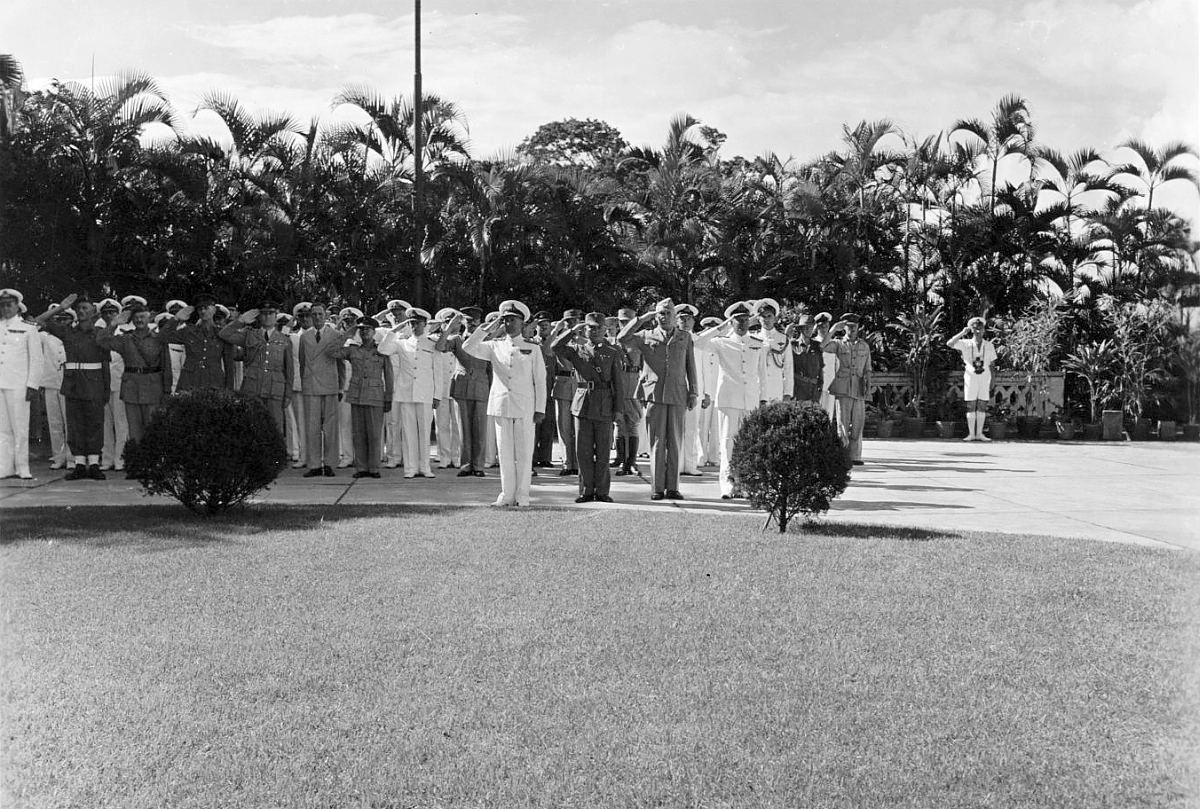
(1066, 430)
(948, 429)
(997, 430)
(1113, 428)
(1028, 427)
(1048, 432)
(1191, 432)
(1141, 430)
(914, 428)
(1092, 432)
(1167, 431)
(886, 427)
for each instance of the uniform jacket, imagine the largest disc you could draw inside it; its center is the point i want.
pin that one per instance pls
(321, 374)
(20, 355)
(565, 381)
(140, 353)
(631, 371)
(853, 376)
(518, 374)
(297, 377)
(371, 379)
(669, 371)
(415, 367)
(742, 362)
(267, 360)
(472, 376)
(777, 373)
(208, 361)
(53, 358)
(806, 374)
(82, 347)
(601, 373)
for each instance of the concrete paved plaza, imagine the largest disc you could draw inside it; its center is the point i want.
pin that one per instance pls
(1142, 493)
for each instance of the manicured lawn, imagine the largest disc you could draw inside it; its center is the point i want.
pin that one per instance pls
(387, 657)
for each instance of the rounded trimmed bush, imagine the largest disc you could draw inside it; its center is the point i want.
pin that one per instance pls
(209, 449)
(788, 460)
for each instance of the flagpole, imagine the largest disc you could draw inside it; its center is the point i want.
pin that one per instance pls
(418, 292)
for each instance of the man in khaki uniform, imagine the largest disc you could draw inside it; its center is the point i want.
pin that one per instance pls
(267, 359)
(852, 382)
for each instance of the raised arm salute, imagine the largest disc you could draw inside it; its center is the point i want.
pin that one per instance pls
(978, 356)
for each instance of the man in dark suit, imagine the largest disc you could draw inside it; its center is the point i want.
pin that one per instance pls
(321, 380)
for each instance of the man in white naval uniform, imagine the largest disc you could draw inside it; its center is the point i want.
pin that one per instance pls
(517, 399)
(417, 374)
(348, 323)
(743, 358)
(777, 380)
(829, 364)
(116, 424)
(297, 422)
(20, 375)
(708, 369)
(54, 357)
(446, 416)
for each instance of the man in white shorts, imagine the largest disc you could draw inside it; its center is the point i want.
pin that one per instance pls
(979, 355)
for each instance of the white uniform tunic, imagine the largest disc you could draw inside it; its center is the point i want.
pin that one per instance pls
(976, 386)
(777, 380)
(742, 362)
(20, 370)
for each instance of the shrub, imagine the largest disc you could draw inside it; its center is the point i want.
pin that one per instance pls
(788, 459)
(209, 449)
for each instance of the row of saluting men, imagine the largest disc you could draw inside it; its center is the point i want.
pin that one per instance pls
(517, 379)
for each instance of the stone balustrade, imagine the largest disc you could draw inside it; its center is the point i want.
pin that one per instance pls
(1040, 396)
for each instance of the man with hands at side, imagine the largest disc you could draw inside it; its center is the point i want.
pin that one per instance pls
(369, 395)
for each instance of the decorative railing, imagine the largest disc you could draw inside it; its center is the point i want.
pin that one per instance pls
(1040, 396)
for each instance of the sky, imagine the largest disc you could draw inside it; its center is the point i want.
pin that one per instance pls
(774, 75)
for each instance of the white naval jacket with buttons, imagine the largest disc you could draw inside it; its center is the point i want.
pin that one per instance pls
(20, 355)
(54, 357)
(743, 362)
(518, 374)
(415, 367)
(777, 380)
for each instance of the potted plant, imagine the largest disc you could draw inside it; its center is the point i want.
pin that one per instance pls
(1064, 427)
(1185, 356)
(999, 422)
(1167, 430)
(948, 426)
(920, 333)
(887, 422)
(1139, 346)
(1094, 363)
(1030, 342)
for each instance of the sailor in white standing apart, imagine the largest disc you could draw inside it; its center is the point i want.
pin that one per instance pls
(54, 357)
(449, 428)
(20, 374)
(517, 399)
(743, 359)
(777, 378)
(116, 424)
(417, 381)
(708, 369)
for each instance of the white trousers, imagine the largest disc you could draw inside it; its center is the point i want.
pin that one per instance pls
(710, 435)
(449, 433)
(416, 418)
(116, 432)
(345, 436)
(514, 442)
(14, 432)
(730, 419)
(393, 436)
(491, 451)
(690, 451)
(296, 426)
(56, 418)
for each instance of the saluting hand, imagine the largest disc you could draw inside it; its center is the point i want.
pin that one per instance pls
(184, 313)
(247, 317)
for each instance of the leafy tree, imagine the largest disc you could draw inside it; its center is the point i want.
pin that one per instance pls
(589, 143)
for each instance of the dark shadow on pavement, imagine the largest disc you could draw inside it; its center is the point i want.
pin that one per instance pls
(889, 505)
(169, 527)
(901, 487)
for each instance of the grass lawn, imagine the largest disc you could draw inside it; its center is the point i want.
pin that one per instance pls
(400, 657)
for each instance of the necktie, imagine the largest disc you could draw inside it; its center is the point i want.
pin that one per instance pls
(318, 336)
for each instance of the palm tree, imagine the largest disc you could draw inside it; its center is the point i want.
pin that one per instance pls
(1155, 167)
(12, 79)
(1010, 132)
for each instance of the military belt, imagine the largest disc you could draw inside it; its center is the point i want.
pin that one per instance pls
(143, 370)
(83, 366)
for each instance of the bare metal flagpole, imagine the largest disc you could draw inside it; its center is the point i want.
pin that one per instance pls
(418, 168)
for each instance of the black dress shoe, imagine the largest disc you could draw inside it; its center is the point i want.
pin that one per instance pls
(479, 473)
(858, 463)
(95, 474)
(464, 473)
(674, 494)
(78, 472)
(327, 471)
(374, 475)
(585, 498)
(727, 497)
(360, 474)
(533, 473)
(657, 496)
(603, 498)
(621, 473)
(562, 473)
(315, 472)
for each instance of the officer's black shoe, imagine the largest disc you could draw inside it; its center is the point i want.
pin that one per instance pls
(533, 473)
(315, 472)
(858, 463)
(361, 474)
(727, 497)
(674, 494)
(78, 472)
(374, 475)
(657, 496)
(603, 498)
(585, 498)
(562, 473)
(622, 472)
(326, 471)
(95, 474)
(464, 473)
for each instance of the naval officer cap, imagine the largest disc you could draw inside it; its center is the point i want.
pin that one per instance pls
(541, 316)
(366, 322)
(514, 308)
(473, 312)
(302, 308)
(9, 294)
(130, 300)
(976, 321)
(444, 314)
(162, 316)
(22, 308)
(350, 311)
(109, 303)
(222, 309)
(686, 309)
(416, 313)
(710, 321)
(173, 306)
(850, 317)
(398, 303)
(282, 319)
(739, 309)
(767, 303)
